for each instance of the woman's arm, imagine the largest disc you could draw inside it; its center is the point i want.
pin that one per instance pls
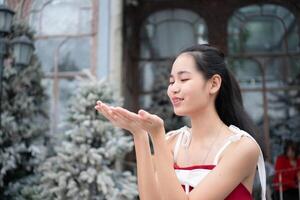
(170, 185)
(147, 182)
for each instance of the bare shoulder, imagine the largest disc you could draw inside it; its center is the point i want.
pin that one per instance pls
(244, 150)
(237, 165)
(248, 146)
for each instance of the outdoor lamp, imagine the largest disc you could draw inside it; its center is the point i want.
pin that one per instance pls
(6, 17)
(22, 50)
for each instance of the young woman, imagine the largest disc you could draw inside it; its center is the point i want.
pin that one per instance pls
(213, 159)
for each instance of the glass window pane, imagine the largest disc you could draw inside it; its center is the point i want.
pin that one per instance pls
(75, 54)
(258, 29)
(155, 75)
(282, 71)
(45, 49)
(165, 45)
(295, 67)
(247, 72)
(167, 32)
(293, 38)
(277, 72)
(48, 85)
(66, 89)
(253, 103)
(262, 35)
(61, 17)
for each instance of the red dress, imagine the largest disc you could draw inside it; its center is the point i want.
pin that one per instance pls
(289, 178)
(239, 193)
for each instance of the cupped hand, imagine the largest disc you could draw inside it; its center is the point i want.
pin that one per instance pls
(122, 118)
(119, 117)
(153, 124)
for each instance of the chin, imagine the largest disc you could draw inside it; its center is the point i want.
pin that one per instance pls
(180, 112)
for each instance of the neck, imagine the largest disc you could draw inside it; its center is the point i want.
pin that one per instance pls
(206, 124)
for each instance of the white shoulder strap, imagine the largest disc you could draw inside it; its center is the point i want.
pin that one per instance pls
(184, 139)
(260, 162)
(231, 139)
(171, 134)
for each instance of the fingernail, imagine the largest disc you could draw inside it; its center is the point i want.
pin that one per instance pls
(98, 102)
(141, 112)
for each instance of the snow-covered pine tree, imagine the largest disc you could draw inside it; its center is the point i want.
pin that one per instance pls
(24, 125)
(88, 163)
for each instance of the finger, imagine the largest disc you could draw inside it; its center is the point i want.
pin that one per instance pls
(98, 108)
(98, 105)
(120, 120)
(108, 116)
(127, 118)
(107, 109)
(121, 116)
(98, 102)
(107, 112)
(131, 117)
(148, 115)
(127, 114)
(145, 116)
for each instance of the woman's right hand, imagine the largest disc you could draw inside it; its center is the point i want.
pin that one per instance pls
(120, 117)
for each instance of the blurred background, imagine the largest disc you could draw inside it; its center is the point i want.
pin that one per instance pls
(122, 51)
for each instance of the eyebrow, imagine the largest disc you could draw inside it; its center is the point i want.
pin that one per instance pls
(180, 72)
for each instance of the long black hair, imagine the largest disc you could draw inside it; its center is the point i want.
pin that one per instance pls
(229, 104)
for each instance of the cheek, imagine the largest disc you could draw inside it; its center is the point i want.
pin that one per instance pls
(197, 97)
(195, 91)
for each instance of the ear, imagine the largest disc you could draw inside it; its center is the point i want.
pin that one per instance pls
(215, 84)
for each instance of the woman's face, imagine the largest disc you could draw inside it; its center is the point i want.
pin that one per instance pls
(188, 90)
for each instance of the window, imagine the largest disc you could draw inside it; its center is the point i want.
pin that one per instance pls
(65, 35)
(264, 53)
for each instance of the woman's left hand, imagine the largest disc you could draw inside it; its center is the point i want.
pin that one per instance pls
(150, 122)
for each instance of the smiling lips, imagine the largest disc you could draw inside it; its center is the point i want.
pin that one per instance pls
(176, 101)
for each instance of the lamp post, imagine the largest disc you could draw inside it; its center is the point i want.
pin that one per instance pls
(6, 16)
(21, 47)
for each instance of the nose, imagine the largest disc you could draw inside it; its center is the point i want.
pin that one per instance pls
(175, 88)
